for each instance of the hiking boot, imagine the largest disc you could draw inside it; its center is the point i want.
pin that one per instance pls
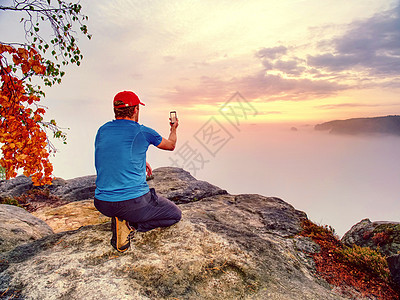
(121, 234)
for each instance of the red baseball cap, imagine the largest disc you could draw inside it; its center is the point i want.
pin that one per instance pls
(129, 98)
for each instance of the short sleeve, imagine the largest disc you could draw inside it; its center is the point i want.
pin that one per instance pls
(152, 136)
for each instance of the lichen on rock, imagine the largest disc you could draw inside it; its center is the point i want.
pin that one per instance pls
(18, 227)
(225, 247)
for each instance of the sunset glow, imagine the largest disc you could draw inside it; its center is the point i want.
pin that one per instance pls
(297, 61)
(249, 79)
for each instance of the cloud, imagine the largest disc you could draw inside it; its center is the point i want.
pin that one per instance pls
(371, 46)
(366, 55)
(261, 86)
(291, 67)
(347, 105)
(354, 105)
(271, 87)
(275, 58)
(266, 113)
(271, 53)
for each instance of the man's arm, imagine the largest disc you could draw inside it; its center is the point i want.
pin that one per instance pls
(149, 170)
(169, 144)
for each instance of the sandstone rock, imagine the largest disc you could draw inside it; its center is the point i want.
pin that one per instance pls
(70, 190)
(58, 181)
(39, 198)
(394, 267)
(71, 216)
(355, 236)
(185, 261)
(75, 189)
(174, 183)
(225, 247)
(15, 186)
(248, 211)
(381, 236)
(18, 227)
(179, 186)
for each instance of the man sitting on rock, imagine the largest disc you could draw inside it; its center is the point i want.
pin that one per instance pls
(122, 192)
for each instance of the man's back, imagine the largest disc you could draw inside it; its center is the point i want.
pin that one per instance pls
(122, 192)
(120, 159)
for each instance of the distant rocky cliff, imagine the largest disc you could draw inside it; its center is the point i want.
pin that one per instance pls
(226, 247)
(377, 125)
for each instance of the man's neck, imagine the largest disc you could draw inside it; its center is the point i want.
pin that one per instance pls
(134, 118)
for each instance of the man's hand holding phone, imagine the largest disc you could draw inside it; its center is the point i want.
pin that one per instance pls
(173, 119)
(169, 144)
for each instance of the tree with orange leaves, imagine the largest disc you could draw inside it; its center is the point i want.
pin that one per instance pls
(23, 132)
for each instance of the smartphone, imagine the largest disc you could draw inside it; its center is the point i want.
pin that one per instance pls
(172, 116)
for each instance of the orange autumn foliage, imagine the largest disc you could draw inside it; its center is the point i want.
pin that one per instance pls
(358, 268)
(23, 140)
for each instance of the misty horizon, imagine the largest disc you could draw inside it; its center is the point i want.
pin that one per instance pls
(337, 180)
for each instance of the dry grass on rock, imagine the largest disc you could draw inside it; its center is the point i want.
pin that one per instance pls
(194, 261)
(184, 261)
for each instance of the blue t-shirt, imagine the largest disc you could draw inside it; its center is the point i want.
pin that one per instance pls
(120, 159)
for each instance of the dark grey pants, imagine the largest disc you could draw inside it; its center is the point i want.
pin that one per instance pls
(144, 213)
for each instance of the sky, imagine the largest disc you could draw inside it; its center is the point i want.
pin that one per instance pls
(294, 60)
(295, 63)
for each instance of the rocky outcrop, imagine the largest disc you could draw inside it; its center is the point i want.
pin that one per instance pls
(381, 236)
(394, 267)
(225, 247)
(75, 189)
(355, 236)
(15, 186)
(70, 190)
(174, 183)
(239, 213)
(71, 216)
(213, 253)
(376, 125)
(186, 261)
(181, 187)
(19, 227)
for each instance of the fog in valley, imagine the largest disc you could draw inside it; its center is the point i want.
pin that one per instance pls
(337, 180)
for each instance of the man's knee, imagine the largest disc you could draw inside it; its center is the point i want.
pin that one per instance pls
(178, 214)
